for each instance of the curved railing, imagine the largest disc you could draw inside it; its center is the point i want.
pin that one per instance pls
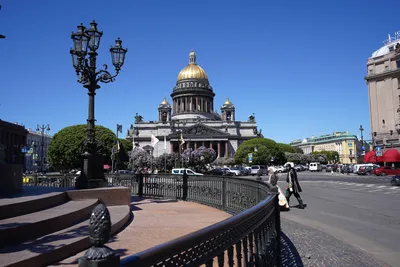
(251, 237)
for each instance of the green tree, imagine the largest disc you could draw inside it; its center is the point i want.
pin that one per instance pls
(263, 149)
(64, 152)
(287, 148)
(166, 161)
(330, 156)
(298, 150)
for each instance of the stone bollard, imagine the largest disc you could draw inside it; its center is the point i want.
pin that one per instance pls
(99, 255)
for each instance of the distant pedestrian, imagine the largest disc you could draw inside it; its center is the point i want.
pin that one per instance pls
(293, 186)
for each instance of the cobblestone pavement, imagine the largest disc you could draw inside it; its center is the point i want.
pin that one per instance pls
(318, 249)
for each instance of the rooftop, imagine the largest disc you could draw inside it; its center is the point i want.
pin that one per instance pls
(389, 45)
(325, 137)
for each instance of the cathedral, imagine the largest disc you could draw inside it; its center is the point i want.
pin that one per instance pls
(192, 121)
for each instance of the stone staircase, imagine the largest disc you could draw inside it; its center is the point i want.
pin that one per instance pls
(44, 229)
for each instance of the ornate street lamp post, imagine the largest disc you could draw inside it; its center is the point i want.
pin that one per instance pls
(362, 140)
(84, 62)
(41, 129)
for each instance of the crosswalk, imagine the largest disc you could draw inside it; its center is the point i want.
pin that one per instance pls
(359, 187)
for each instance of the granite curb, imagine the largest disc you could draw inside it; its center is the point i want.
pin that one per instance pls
(316, 249)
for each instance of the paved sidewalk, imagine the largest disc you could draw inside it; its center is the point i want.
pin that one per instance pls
(156, 222)
(318, 249)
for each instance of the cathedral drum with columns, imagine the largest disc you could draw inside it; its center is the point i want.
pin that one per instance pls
(192, 118)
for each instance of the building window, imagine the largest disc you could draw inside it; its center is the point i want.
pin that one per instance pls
(398, 64)
(383, 122)
(398, 83)
(391, 48)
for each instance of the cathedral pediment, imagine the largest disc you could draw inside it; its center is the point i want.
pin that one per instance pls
(200, 130)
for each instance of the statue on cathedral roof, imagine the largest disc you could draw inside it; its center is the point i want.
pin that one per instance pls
(138, 118)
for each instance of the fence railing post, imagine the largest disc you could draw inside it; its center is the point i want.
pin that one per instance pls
(140, 184)
(224, 200)
(185, 186)
(99, 234)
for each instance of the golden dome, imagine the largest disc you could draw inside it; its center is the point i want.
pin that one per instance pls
(164, 102)
(228, 102)
(192, 71)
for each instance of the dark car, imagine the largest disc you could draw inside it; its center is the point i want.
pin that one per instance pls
(395, 180)
(219, 172)
(365, 170)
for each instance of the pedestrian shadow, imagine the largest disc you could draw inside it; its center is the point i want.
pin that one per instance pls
(289, 254)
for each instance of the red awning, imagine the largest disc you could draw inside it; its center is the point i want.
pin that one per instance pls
(370, 157)
(106, 166)
(391, 155)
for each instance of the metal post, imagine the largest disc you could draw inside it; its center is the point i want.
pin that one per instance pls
(117, 159)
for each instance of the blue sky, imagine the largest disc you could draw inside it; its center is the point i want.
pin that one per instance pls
(298, 65)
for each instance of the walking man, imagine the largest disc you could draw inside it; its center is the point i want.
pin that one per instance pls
(293, 186)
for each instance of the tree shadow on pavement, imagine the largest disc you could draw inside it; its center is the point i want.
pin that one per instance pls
(289, 254)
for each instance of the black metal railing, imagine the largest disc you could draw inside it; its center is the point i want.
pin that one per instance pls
(249, 238)
(58, 180)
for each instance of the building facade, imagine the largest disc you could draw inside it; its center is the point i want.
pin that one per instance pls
(37, 147)
(383, 80)
(192, 118)
(347, 145)
(12, 141)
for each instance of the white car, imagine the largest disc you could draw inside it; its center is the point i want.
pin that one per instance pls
(188, 171)
(280, 169)
(235, 172)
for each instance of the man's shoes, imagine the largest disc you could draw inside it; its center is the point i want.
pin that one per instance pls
(301, 205)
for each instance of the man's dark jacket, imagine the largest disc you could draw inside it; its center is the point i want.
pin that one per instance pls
(296, 186)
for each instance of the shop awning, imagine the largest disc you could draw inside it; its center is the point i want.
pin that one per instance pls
(391, 155)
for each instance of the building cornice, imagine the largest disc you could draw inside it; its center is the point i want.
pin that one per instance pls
(390, 73)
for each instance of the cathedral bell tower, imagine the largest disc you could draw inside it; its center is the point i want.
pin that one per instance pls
(164, 111)
(228, 111)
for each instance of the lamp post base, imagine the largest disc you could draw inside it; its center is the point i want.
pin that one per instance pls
(92, 174)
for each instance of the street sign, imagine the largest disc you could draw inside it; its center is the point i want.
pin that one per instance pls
(378, 148)
(250, 157)
(379, 153)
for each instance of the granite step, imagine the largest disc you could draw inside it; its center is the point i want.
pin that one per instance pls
(17, 206)
(33, 225)
(59, 245)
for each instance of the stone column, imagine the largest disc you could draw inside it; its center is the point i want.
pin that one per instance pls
(186, 104)
(226, 149)
(195, 145)
(202, 143)
(211, 144)
(187, 144)
(171, 146)
(219, 149)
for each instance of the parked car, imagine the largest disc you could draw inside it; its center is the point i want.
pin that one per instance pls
(329, 168)
(219, 172)
(386, 170)
(256, 168)
(365, 170)
(188, 171)
(315, 167)
(235, 171)
(395, 180)
(280, 169)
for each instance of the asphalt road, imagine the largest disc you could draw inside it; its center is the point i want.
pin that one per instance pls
(363, 211)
